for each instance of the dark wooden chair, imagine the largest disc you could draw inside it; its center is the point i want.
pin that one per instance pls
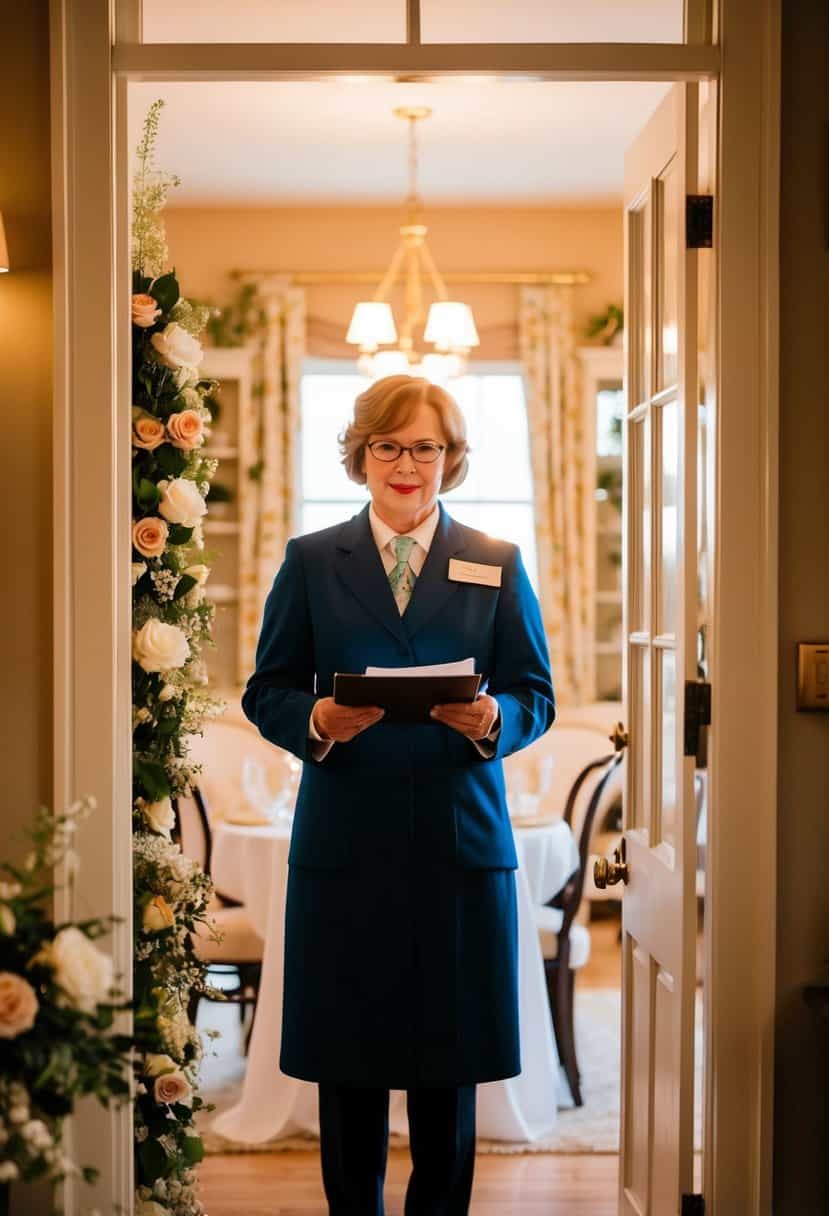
(566, 945)
(239, 953)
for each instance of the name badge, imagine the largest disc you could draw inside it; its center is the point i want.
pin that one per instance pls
(474, 572)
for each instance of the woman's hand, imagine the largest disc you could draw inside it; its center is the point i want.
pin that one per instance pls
(475, 719)
(342, 722)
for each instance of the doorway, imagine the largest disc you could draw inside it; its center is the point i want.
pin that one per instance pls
(75, 372)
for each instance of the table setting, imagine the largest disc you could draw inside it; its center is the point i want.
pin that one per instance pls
(249, 864)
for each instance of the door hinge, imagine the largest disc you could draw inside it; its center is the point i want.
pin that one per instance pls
(697, 713)
(699, 221)
(692, 1205)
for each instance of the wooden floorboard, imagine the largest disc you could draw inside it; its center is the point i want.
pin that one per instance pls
(288, 1184)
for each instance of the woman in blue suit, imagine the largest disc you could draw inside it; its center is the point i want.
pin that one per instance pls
(401, 937)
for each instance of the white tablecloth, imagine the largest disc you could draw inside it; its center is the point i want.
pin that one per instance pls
(250, 864)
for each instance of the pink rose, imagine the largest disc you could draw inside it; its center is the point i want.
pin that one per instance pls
(186, 430)
(18, 1005)
(149, 536)
(145, 311)
(147, 432)
(172, 1087)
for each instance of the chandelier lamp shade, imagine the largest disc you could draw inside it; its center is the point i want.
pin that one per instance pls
(449, 324)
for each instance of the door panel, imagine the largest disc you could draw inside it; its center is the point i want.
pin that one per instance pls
(659, 919)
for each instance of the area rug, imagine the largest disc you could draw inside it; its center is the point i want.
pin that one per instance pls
(592, 1128)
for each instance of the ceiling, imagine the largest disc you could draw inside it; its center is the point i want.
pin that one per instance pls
(332, 142)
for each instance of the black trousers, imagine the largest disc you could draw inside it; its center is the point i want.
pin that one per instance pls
(354, 1140)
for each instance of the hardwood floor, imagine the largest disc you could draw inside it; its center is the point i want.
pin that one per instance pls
(288, 1184)
(530, 1184)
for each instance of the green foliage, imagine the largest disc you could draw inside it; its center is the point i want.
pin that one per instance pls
(607, 324)
(240, 321)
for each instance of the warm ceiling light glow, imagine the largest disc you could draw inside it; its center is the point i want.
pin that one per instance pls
(372, 325)
(450, 326)
(4, 251)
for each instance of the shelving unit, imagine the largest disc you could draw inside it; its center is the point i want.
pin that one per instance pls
(602, 369)
(230, 537)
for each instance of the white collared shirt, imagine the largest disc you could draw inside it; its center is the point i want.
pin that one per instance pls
(423, 536)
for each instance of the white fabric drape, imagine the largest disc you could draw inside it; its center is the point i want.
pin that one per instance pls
(271, 430)
(556, 426)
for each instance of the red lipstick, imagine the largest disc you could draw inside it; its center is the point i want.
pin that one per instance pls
(401, 489)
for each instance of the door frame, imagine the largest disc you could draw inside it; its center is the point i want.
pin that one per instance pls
(95, 50)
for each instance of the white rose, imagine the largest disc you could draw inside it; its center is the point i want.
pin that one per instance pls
(7, 922)
(149, 1207)
(8, 1171)
(172, 1087)
(155, 1064)
(138, 570)
(199, 572)
(167, 693)
(160, 816)
(181, 502)
(82, 970)
(37, 1134)
(177, 349)
(10, 890)
(159, 647)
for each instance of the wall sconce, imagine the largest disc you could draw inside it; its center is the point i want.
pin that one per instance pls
(4, 252)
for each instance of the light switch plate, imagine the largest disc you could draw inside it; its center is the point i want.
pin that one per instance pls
(813, 675)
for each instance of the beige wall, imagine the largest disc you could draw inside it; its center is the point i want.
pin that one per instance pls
(25, 453)
(207, 243)
(25, 407)
(802, 1064)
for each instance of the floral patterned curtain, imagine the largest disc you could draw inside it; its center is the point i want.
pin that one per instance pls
(270, 434)
(554, 407)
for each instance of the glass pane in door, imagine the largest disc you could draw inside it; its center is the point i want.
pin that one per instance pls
(274, 21)
(667, 326)
(551, 21)
(667, 746)
(668, 456)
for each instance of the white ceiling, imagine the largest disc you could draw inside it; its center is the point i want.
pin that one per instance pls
(338, 142)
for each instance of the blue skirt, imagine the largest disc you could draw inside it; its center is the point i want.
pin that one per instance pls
(403, 978)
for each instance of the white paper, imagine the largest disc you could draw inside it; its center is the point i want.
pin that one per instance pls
(462, 667)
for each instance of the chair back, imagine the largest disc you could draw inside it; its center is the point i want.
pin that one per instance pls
(193, 827)
(221, 750)
(571, 746)
(594, 790)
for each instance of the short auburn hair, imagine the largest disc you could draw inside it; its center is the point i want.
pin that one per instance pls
(390, 403)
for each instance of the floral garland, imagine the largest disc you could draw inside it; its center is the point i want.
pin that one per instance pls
(57, 1003)
(171, 628)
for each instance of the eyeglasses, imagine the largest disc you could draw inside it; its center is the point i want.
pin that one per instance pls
(423, 453)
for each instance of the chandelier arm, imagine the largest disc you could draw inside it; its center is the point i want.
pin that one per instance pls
(414, 297)
(392, 272)
(433, 272)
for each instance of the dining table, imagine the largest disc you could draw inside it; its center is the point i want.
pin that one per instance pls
(250, 865)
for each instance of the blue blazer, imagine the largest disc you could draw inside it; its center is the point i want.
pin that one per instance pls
(397, 793)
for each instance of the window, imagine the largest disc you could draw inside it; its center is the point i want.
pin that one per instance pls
(495, 498)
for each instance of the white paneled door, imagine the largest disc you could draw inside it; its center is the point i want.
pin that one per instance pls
(659, 908)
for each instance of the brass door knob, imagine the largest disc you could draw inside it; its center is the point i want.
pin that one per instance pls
(619, 738)
(608, 873)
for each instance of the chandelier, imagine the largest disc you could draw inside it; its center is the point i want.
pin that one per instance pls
(450, 327)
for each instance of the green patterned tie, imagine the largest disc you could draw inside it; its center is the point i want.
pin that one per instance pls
(402, 577)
